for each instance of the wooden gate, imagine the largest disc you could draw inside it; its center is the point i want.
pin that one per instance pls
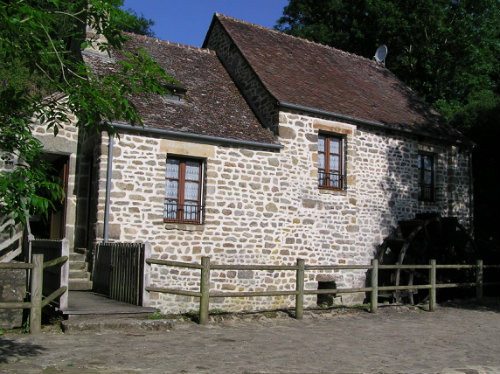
(118, 271)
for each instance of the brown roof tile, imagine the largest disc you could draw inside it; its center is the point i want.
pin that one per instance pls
(300, 72)
(213, 105)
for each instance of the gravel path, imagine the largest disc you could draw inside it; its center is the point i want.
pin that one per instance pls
(451, 340)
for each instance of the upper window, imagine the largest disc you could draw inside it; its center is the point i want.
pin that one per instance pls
(426, 176)
(175, 94)
(183, 191)
(331, 170)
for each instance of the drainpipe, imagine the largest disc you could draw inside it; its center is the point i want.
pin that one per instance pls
(108, 189)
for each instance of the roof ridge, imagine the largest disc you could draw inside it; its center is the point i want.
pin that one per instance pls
(299, 38)
(167, 42)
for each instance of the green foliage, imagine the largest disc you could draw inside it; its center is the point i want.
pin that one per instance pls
(157, 315)
(43, 78)
(137, 24)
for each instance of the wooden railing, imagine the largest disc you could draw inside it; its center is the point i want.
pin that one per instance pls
(300, 268)
(37, 301)
(117, 271)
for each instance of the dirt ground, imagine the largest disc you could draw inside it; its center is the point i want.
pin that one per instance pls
(456, 338)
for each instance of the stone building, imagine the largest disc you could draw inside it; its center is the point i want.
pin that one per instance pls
(268, 149)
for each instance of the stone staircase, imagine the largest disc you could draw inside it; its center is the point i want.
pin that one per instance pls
(79, 275)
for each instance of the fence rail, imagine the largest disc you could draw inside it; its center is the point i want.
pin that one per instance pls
(37, 301)
(300, 268)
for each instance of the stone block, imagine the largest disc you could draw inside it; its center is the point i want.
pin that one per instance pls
(287, 132)
(245, 274)
(12, 289)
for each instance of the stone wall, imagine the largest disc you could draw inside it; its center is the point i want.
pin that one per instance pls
(265, 207)
(257, 96)
(12, 289)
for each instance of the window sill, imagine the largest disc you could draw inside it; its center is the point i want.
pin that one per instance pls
(333, 192)
(183, 226)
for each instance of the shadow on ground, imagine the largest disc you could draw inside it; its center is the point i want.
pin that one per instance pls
(491, 304)
(10, 349)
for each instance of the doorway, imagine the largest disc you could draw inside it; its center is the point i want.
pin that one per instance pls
(54, 225)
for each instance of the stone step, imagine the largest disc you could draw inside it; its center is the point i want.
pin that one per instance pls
(120, 323)
(80, 285)
(81, 250)
(78, 265)
(77, 257)
(79, 274)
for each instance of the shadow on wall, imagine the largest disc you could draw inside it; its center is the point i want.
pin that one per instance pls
(398, 189)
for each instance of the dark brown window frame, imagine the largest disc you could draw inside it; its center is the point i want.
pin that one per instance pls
(324, 174)
(426, 191)
(179, 204)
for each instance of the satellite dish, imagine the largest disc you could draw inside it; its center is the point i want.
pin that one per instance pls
(381, 54)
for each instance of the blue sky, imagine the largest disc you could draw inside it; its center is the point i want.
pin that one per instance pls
(187, 21)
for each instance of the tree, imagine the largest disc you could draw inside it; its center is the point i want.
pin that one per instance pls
(137, 24)
(43, 78)
(448, 51)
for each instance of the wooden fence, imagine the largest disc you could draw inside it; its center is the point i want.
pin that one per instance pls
(300, 268)
(37, 301)
(118, 271)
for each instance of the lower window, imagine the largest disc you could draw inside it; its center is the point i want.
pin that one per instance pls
(183, 191)
(426, 176)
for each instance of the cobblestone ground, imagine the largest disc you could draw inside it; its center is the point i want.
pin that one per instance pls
(451, 340)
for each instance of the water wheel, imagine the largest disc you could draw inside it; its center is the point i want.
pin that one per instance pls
(418, 241)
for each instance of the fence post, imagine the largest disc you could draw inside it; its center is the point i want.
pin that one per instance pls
(146, 275)
(432, 291)
(63, 300)
(299, 288)
(374, 285)
(479, 280)
(204, 289)
(36, 294)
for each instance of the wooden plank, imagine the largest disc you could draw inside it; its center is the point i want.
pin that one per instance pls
(405, 288)
(36, 294)
(455, 266)
(253, 267)
(299, 288)
(57, 261)
(15, 305)
(254, 293)
(156, 261)
(456, 285)
(402, 267)
(432, 280)
(374, 287)
(173, 291)
(338, 267)
(479, 280)
(204, 289)
(54, 295)
(15, 265)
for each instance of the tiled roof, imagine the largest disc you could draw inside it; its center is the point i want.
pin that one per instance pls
(297, 71)
(212, 105)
